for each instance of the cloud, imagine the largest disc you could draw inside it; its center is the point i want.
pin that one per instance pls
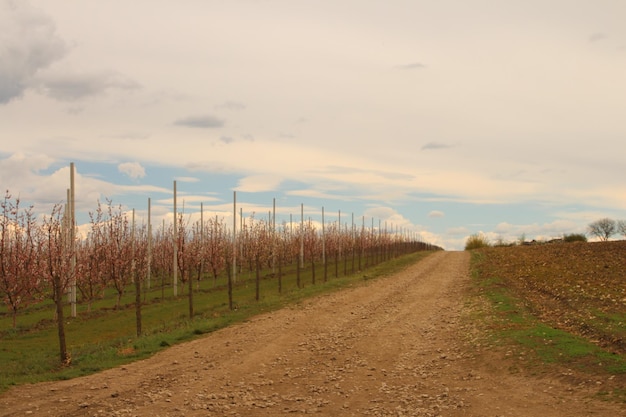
(18, 170)
(187, 201)
(389, 217)
(458, 231)
(187, 179)
(259, 183)
(28, 44)
(37, 179)
(75, 110)
(130, 135)
(314, 193)
(436, 214)
(203, 122)
(411, 66)
(597, 36)
(231, 105)
(133, 169)
(66, 86)
(434, 145)
(226, 139)
(340, 170)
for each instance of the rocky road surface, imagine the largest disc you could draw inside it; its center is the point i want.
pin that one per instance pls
(395, 346)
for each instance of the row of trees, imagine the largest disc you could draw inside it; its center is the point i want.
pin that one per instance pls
(604, 228)
(41, 257)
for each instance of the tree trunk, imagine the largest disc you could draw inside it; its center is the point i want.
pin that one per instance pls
(230, 286)
(190, 279)
(138, 304)
(353, 259)
(58, 299)
(280, 274)
(298, 272)
(257, 279)
(118, 302)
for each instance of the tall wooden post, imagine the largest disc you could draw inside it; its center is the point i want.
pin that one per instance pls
(324, 247)
(175, 241)
(136, 279)
(234, 236)
(302, 235)
(72, 227)
(149, 266)
(273, 232)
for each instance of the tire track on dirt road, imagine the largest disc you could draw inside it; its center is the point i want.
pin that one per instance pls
(394, 346)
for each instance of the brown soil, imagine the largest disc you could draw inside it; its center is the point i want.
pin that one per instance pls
(569, 286)
(396, 346)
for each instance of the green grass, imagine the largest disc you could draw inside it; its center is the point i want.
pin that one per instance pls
(106, 337)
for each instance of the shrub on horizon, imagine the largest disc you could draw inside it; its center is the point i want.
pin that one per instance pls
(476, 241)
(575, 237)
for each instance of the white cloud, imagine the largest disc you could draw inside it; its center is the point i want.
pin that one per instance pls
(133, 169)
(434, 145)
(458, 231)
(67, 86)
(412, 66)
(258, 183)
(22, 175)
(187, 179)
(226, 139)
(597, 36)
(231, 105)
(129, 136)
(28, 44)
(436, 214)
(429, 237)
(17, 168)
(189, 203)
(391, 217)
(315, 193)
(202, 122)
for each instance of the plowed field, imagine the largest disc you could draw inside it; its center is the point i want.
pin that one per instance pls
(578, 287)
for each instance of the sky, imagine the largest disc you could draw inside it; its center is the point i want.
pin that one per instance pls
(440, 118)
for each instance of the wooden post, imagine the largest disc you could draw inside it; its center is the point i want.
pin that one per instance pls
(234, 279)
(302, 235)
(72, 226)
(175, 240)
(149, 254)
(273, 232)
(324, 247)
(137, 280)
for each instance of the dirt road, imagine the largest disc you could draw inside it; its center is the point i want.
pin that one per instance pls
(396, 346)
